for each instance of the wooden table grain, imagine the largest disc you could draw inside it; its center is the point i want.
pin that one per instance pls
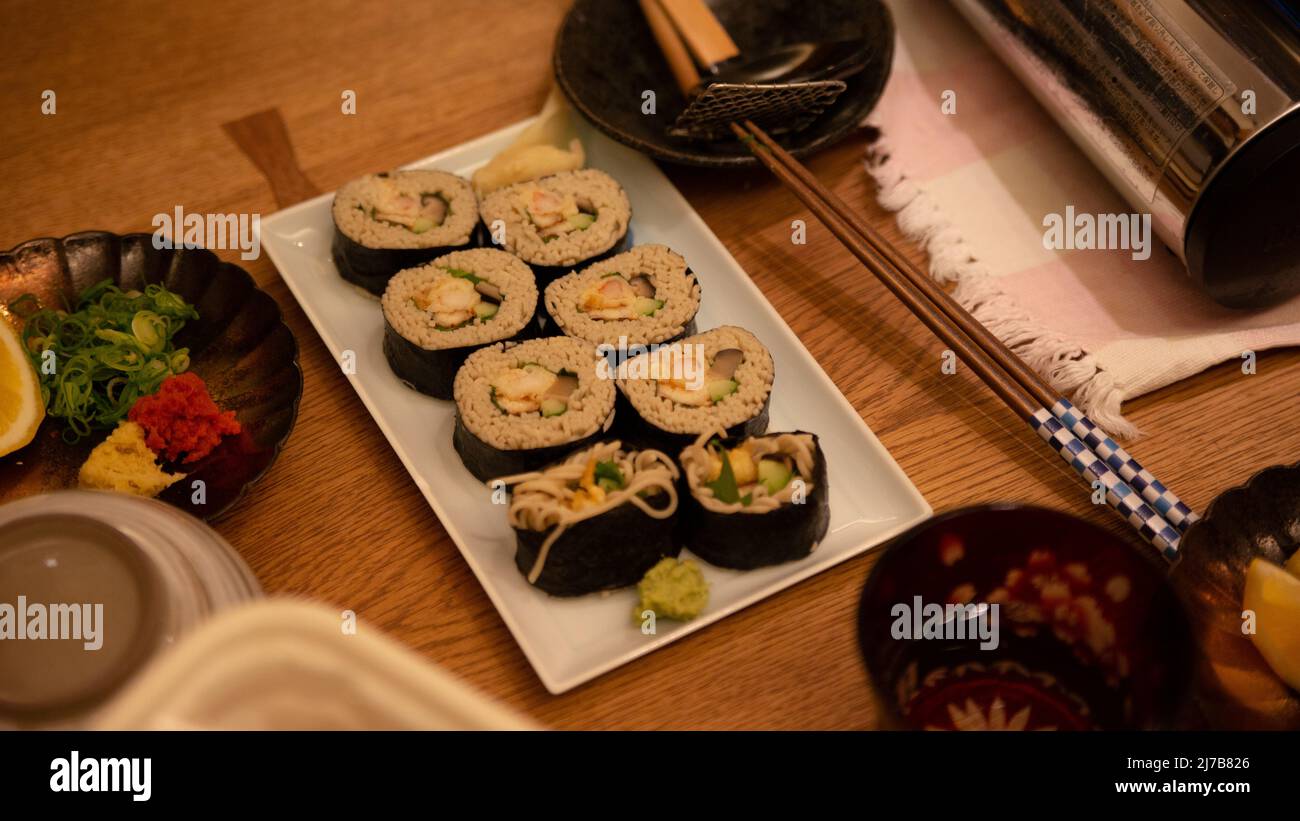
(142, 90)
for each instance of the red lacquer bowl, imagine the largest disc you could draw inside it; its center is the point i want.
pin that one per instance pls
(1088, 632)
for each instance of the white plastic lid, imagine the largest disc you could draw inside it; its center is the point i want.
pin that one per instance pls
(281, 664)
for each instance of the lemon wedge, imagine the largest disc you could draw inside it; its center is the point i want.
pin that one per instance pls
(21, 407)
(1274, 595)
(1260, 693)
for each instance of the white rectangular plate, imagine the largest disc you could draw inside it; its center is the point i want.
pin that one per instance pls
(570, 641)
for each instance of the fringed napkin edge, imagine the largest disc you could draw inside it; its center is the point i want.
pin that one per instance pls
(1064, 362)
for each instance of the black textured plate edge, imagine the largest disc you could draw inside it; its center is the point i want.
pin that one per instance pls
(1234, 494)
(739, 160)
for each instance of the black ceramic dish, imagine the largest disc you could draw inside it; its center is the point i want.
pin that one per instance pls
(1235, 689)
(239, 345)
(606, 58)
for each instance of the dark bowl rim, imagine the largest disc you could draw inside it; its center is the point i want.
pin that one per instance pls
(1152, 560)
(1183, 578)
(1228, 496)
(278, 320)
(683, 157)
(984, 507)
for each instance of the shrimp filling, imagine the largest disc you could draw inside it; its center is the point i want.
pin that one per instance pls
(416, 214)
(616, 297)
(459, 299)
(718, 383)
(532, 388)
(555, 214)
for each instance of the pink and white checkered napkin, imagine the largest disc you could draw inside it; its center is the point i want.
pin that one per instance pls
(974, 186)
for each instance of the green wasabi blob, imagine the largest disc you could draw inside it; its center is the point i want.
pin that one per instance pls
(673, 589)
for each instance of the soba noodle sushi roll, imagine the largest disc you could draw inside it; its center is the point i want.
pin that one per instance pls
(598, 520)
(559, 222)
(720, 379)
(754, 501)
(439, 313)
(384, 223)
(648, 294)
(522, 406)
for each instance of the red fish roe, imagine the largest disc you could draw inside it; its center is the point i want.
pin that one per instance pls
(181, 419)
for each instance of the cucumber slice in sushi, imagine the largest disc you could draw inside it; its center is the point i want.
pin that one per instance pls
(774, 474)
(720, 389)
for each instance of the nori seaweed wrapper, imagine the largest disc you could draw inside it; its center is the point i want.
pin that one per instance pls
(546, 324)
(487, 462)
(743, 541)
(371, 268)
(641, 433)
(614, 549)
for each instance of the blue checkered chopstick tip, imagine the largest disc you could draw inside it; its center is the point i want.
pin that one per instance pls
(1121, 496)
(1165, 502)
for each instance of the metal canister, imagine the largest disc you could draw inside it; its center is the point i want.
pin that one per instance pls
(1192, 110)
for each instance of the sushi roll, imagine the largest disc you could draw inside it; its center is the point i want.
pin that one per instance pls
(644, 295)
(559, 222)
(754, 501)
(384, 223)
(598, 520)
(522, 406)
(437, 314)
(720, 379)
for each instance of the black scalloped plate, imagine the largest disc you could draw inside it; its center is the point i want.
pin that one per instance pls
(239, 345)
(605, 57)
(1235, 689)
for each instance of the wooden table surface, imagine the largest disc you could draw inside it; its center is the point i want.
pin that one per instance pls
(143, 89)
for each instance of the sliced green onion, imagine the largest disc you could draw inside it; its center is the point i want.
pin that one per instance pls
(25, 306)
(115, 347)
(150, 329)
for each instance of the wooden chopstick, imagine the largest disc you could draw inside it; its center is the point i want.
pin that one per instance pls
(1179, 514)
(1007, 389)
(822, 204)
(1069, 432)
(994, 347)
(671, 44)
